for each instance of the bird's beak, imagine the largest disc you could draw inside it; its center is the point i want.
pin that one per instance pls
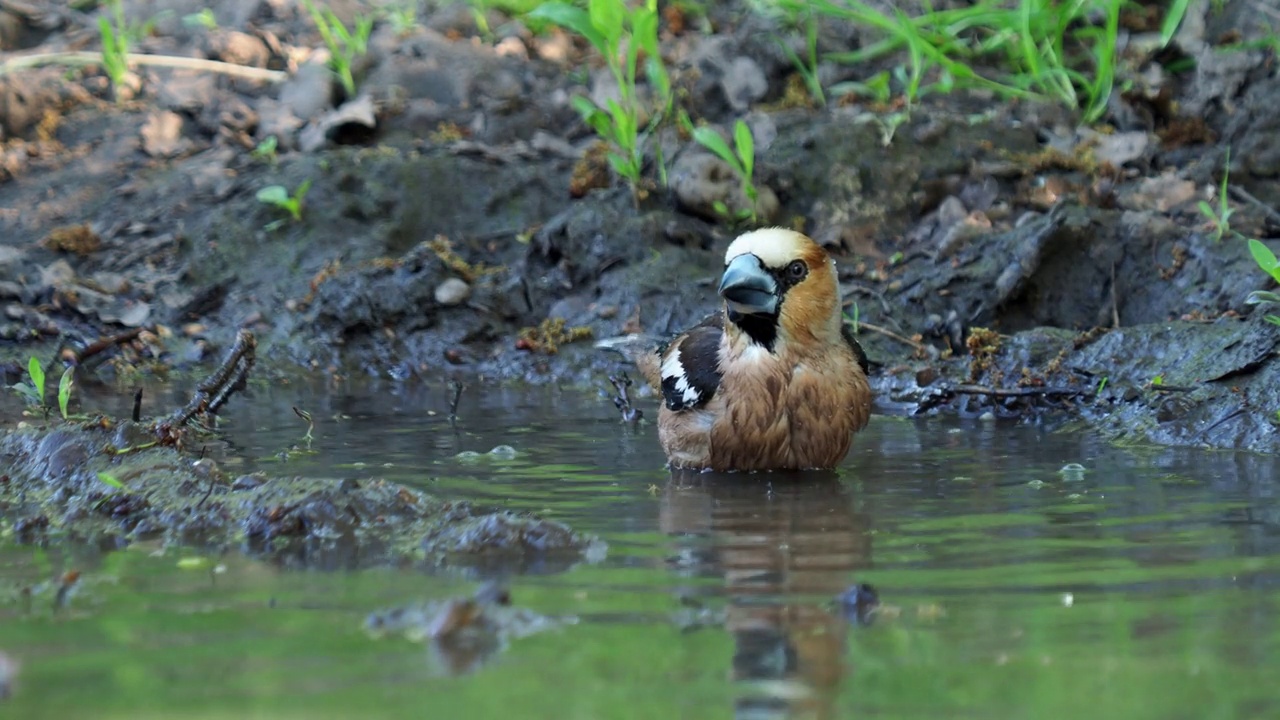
(747, 288)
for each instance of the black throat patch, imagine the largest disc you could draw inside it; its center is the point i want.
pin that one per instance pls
(762, 329)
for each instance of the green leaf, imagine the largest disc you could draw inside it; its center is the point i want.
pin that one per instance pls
(708, 138)
(1265, 258)
(746, 146)
(64, 389)
(37, 376)
(1172, 18)
(644, 30)
(570, 18)
(274, 195)
(624, 167)
(108, 479)
(607, 16)
(302, 190)
(1260, 296)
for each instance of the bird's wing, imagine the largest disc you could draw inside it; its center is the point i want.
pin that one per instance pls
(690, 367)
(859, 354)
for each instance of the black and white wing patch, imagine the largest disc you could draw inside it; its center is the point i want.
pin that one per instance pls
(691, 367)
(858, 353)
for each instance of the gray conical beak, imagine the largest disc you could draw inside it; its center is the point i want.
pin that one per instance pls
(748, 288)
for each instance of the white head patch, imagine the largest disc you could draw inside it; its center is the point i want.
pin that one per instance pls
(774, 246)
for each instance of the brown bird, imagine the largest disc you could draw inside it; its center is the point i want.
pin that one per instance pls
(774, 381)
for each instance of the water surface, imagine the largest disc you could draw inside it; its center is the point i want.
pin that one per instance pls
(1142, 586)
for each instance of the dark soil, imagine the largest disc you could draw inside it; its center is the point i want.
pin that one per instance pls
(999, 257)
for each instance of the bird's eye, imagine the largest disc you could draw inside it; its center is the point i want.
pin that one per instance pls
(797, 270)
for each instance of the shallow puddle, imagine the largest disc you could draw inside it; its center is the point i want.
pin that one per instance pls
(1142, 584)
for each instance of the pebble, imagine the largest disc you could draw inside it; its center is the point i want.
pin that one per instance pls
(987, 416)
(452, 292)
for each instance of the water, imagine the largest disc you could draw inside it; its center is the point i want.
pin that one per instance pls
(1142, 587)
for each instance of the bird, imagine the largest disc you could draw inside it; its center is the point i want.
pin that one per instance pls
(774, 380)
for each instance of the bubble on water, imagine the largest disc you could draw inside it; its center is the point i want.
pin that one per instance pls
(503, 451)
(1072, 472)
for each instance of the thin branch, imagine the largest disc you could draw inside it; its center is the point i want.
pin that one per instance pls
(1242, 194)
(1017, 392)
(214, 390)
(169, 61)
(927, 349)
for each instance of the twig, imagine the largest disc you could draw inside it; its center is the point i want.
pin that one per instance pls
(1017, 392)
(622, 400)
(137, 405)
(1248, 197)
(216, 389)
(927, 349)
(169, 61)
(102, 344)
(457, 388)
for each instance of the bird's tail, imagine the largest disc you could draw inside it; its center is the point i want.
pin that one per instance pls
(640, 349)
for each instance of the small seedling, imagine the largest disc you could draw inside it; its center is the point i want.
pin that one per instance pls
(33, 389)
(344, 45)
(1220, 219)
(808, 67)
(266, 150)
(620, 33)
(64, 390)
(403, 16)
(115, 45)
(278, 196)
(741, 157)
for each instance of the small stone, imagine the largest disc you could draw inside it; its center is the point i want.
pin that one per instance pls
(192, 329)
(987, 416)
(111, 283)
(744, 82)
(511, 47)
(453, 291)
(240, 48)
(162, 135)
(246, 482)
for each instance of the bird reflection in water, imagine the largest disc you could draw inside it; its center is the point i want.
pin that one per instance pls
(785, 546)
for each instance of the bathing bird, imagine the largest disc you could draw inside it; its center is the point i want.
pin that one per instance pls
(772, 381)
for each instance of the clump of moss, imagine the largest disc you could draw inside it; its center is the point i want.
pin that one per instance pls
(76, 239)
(591, 172)
(983, 344)
(550, 335)
(443, 249)
(447, 132)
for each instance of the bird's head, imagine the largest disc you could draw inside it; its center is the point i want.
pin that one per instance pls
(779, 285)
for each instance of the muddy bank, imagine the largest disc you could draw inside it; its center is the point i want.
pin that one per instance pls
(997, 256)
(102, 482)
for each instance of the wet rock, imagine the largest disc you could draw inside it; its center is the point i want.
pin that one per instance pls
(1117, 149)
(452, 291)
(1162, 193)
(306, 520)
(275, 119)
(26, 97)
(703, 183)
(162, 135)
(306, 94)
(188, 91)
